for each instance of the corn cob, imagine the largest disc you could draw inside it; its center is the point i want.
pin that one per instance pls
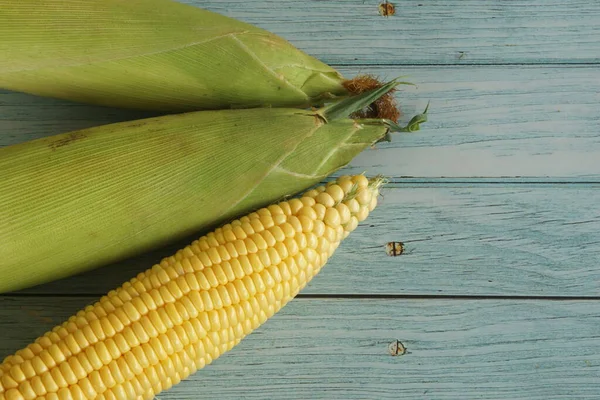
(181, 314)
(81, 200)
(155, 54)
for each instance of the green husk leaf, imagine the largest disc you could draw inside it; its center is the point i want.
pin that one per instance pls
(349, 105)
(413, 125)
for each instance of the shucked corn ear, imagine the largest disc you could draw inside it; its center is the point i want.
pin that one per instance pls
(181, 314)
(80, 200)
(153, 54)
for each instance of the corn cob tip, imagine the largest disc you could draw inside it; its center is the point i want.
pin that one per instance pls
(377, 182)
(183, 313)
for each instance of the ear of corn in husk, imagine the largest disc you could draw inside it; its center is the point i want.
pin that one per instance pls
(180, 315)
(154, 54)
(80, 200)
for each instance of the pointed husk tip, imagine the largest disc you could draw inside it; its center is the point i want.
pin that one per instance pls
(385, 107)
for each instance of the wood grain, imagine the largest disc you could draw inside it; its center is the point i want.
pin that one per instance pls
(461, 239)
(483, 122)
(338, 349)
(421, 32)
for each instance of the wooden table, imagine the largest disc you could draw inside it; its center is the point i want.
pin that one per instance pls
(497, 200)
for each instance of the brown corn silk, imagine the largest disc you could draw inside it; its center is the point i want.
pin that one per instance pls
(384, 107)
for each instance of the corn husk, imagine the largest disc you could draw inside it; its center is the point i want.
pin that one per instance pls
(153, 54)
(83, 199)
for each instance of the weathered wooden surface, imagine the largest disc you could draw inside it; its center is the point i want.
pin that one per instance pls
(338, 349)
(429, 31)
(461, 239)
(498, 293)
(484, 122)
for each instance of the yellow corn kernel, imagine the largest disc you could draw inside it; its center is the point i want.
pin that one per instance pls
(344, 212)
(332, 217)
(311, 193)
(320, 210)
(325, 199)
(362, 213)
(361, 181)
(352, 204)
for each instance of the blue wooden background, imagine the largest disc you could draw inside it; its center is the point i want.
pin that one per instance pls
(497, 200)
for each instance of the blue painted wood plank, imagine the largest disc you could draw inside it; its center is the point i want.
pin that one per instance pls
(351, 32)
(339, 349)
(483, 122)
(495, 121)
(460, 239)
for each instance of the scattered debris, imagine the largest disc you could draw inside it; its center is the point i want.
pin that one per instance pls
(387, 9)
(394, 249)
(396, 348)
